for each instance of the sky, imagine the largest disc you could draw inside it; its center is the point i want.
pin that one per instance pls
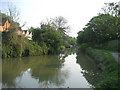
(77, 12)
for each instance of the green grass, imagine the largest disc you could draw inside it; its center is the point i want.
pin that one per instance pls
(110, 68)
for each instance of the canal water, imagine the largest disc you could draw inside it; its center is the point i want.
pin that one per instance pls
(50, 71)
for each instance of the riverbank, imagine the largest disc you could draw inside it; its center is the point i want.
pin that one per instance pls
(110, 68)
(14, 45)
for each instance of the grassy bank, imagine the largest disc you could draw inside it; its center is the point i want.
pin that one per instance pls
(108, 65)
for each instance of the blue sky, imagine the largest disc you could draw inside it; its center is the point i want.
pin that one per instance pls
(77, 12)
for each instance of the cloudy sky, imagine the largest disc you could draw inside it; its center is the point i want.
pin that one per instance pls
(77, 12)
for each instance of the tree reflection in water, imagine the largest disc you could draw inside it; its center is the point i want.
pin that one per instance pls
(12, 68)
(90, 70)
(49, 72)
(47, 69)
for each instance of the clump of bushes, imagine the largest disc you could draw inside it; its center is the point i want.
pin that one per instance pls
(14, 45)
(109, 45)
(62, 48)
(83, 47)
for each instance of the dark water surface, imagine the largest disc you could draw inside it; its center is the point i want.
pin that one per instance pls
(50, 71)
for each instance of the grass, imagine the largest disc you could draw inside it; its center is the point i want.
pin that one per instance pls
(110, 68)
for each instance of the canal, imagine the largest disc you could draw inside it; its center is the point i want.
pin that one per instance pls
(50, 71)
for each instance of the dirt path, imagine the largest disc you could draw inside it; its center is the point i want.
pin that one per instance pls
(117, 56)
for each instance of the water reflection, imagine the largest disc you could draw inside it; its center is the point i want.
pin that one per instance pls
(45, 69)
(68, 51)
(11, 69)
(90, 70)
(50, 71)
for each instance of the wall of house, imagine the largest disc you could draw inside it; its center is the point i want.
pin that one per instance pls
(25, 33)
(6, 25)
(1, 28)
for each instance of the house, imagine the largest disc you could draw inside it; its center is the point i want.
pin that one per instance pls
(4, 24)
(25, 33)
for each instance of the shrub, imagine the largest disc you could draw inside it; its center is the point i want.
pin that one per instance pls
(110, 45)
(83, 47)
(18, 46)
(62, 48)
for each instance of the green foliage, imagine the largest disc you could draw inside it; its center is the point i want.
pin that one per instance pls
(13, 43)
(46, 35)
(32, 49)
(17, 46)
(12, 28)
(49, 35)
(0, 41)
(49, 38)
(53, 41)
(45, 49)
(72, 41)
(83, 47)
(103, 32)
(110, 80)
(100, 29)
(108, 65)
(112, 9)
(110, 45)
(62, 48)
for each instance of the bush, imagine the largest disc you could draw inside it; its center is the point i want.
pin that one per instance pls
(83, 47)
(18, 46)
(110, 45)
(62, 48)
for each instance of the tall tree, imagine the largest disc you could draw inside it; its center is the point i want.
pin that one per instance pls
(112, 9)
(100, 29)
(13, 12)
(14, 15)
(60, 23)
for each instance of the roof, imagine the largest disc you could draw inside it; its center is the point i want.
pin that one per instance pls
(3, 20)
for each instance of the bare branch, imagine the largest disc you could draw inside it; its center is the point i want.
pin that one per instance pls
(13, 12)
(112, 8)
(23, 24)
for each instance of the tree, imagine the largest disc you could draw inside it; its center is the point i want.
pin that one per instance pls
(100, 29)
(14, 16)
(47, 36)
(60, 23)
(13, 12)
(112, 9)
